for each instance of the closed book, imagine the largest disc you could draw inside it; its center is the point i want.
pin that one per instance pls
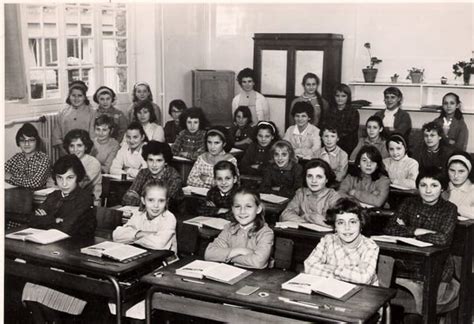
(213, 222)
(38, 235)
(400, 239)
(220, 272)
(115, 251)
(310, 226)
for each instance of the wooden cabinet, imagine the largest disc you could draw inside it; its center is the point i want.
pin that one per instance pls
(213, 91)
(281, 60)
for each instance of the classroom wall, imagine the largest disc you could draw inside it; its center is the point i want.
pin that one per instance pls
(173, 39)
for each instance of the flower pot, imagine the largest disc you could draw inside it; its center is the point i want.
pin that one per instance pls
(394, 79)
(466, 75)
(444, 80)
(369, 74)
(416, 77)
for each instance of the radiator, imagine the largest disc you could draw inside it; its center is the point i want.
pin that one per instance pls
(45, 129)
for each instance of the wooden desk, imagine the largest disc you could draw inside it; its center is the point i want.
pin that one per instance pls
(211, 300)
(183, 166)
(432, 259)
(113, 190)
(114, 280)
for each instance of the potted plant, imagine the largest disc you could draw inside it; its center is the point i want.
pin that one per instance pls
(370, 72)
(465, 69)
(415, 75)
(394, 78)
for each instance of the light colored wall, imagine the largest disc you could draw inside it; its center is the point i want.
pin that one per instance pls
(173, 39)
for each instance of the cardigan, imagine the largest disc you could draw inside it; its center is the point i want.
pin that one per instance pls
(69, 118)
(216, 200)
(105, 152)
(347, 123)
(154, 132)
(121, 122)
(401, 123)
(255, 154)
(367, 191)
(234, 236)
(332, 258)
(282, 181)
(457, 134)
(337, 159)
(168, 175)
(305, 143)
(203, 168)
(318, 112)
(436, 159)
(29, 172)
(462, 197)
(260, 109)
(402, 172)
(161, 231)
(190, 145)
(310, 207)
(128, 162)
(172, 129)
(380, 144)
(72, 214)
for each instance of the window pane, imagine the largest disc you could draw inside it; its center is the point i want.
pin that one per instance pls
(50, 30)
(49, 14)
(122, 78)
(52, 84)
(33, 13)
(86, 29)
(72, 15)
(72, 29)
(109, 52)
(121, 51)
(107, 23)
(86, 51)
(121, 23)
(72, 75)
(34, 30)
(51, 51)
(35, 52)
(73, 51)
(88, 78)
(116, 78)
(86, 15)
(36, 84)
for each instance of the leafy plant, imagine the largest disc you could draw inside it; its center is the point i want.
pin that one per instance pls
(395, 76)
(373, 59)
(414, 70)
(462, 67)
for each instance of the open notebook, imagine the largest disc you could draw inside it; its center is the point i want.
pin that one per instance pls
(310, 226)
(330, 287)
(38, 235)
(188, 190)
(213, 222)
(400, 239)
(115, 251)
(220, 272)
(273, 198)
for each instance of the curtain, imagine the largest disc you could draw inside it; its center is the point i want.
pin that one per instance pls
(15, 80)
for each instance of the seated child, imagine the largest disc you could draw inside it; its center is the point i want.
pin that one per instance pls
(172, 127)
(304, 136)
(393, 116)
(145, 115)
(401, 168)
(242, 130)
(219, 197)
(257, 156)
(461, 189)
(347, 254)
(30, 168)
(157, 156)
(105, 98)
(284, 175)
(313, 200)
(78, 142)
(368, 182)
(129, 158)
(142, 92)
(105, 147)
(376, 136)
(332, 153)
(190, 141)
(431, 219)
(69, 210)
(154, 228)
(77, 115)
(435, 151)
(247, 241)
(452, 121)
(218, 145)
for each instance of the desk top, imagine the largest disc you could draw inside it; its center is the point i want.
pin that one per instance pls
(66, 255)
(359, 307)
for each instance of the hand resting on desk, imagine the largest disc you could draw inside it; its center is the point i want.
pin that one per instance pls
(423, 231)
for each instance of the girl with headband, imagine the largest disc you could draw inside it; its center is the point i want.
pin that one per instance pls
(402, 169)
(142, 92)
(105, 98)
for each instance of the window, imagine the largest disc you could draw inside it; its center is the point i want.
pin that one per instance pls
(72, 41)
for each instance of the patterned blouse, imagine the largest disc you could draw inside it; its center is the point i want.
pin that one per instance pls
(204, 169)
(190, 145)
(28, 172)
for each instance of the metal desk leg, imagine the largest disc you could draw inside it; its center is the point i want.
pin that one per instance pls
(433, 268)
(149, 304)
(118, 299)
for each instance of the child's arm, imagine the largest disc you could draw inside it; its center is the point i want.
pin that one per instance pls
(158, 134)
(293, 209)
(110, 157)
(346, 185)
(29, 178)
(194, 178)
(376, 197)
(132, 196)
(176, 147)
(412, 173)
(258, 259)
(118, 162)
(127, 233)
(160, 240)
(356, 150)
(343, 164)
(364, 271)
(444, 233)
(316, 263)
(219, 249)
(399, 224)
